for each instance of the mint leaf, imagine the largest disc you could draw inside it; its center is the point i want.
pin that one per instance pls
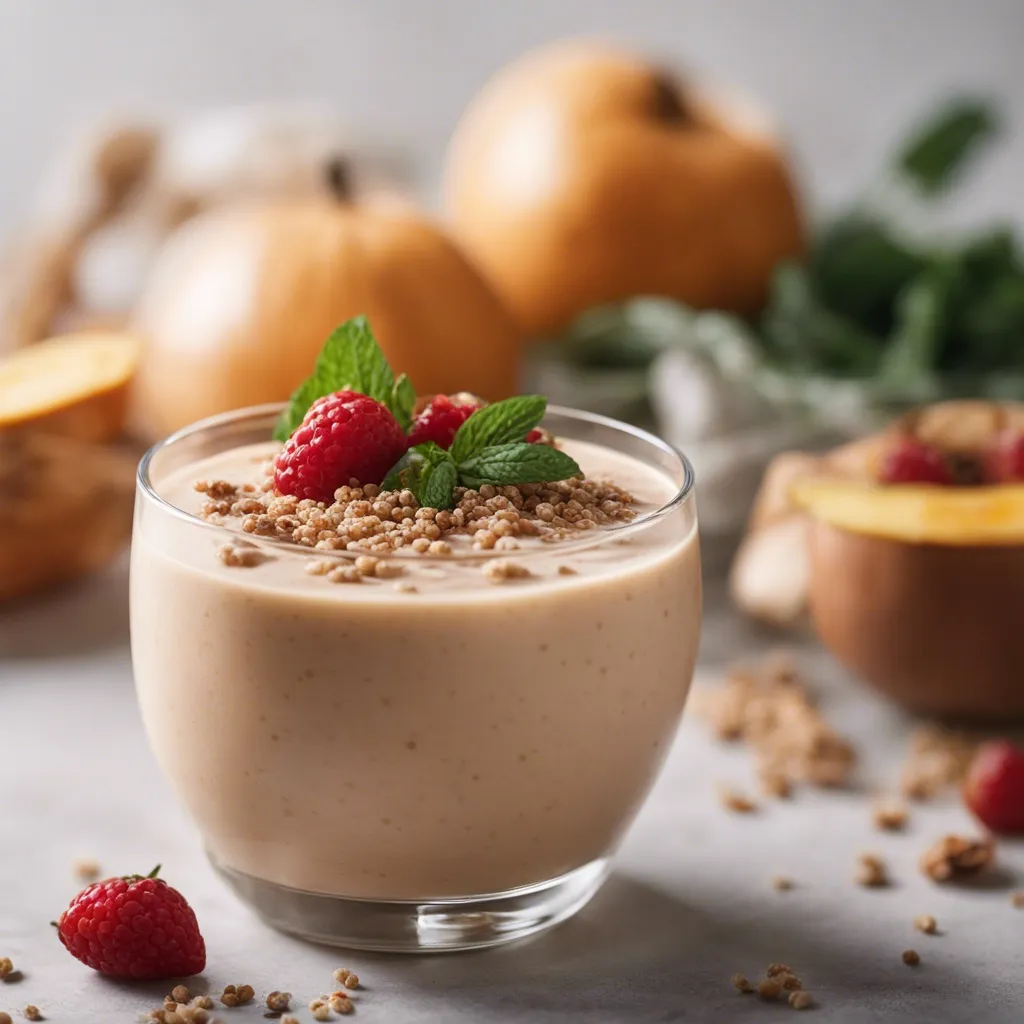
(401, 469)
(516, 463)
(403, 401)
(497, 424)
(428, 471)
(437, 484)
(350, 360)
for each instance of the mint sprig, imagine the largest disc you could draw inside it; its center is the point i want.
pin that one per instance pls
(489, 448)
(499, 423)
(351, 360)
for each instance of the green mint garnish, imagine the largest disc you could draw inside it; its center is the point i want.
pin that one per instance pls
(516, 463)
(499, 423)
(403, 401)
(489, 448)
(351, 360)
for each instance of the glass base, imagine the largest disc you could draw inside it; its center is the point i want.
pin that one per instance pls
(418, 926)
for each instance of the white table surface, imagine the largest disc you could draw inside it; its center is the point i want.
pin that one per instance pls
(689, 904)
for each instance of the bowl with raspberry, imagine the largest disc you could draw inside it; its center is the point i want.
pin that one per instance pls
(917, 561)
(412, 663)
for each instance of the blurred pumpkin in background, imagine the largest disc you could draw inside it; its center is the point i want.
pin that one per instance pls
(116, 192)
(242, 298)
(581, 176)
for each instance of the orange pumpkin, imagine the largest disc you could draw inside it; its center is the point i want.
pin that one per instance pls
(242, 299)
(581, 176)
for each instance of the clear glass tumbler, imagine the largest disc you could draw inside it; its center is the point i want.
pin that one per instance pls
(381, 769)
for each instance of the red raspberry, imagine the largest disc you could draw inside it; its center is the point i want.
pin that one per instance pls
(912, 462)
(344, 436)
(441, 419)
(133, 927)
(994, 789)
(1004, 463)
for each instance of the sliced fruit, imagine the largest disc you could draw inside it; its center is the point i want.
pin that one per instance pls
(75, 385)
(917, 514)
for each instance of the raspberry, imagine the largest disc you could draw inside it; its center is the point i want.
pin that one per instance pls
(1004, 463)
(345, 436)
(441, 419)
(133, 927)
(912, 462)
(994, 789)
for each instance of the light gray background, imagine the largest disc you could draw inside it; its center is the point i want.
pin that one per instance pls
(844, 77)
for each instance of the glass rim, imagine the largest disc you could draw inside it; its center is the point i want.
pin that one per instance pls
(589, 538)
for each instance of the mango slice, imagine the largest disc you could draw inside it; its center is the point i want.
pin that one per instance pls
(954, 516)
(75, 385)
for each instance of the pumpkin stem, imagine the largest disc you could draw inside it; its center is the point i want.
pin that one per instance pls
(339, 178)
(669, 104)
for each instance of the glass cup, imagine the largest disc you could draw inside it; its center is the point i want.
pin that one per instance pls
(381, 769)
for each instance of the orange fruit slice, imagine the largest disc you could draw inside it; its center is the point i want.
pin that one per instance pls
(955, 516)
(75, 385)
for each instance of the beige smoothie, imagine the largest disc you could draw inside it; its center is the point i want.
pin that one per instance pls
(448, 731)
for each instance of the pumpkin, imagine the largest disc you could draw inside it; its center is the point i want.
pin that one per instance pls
(581, 175)
(242, 298)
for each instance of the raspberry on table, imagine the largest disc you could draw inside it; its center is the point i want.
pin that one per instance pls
(133, 927)
(343, 437)
(912, 462)
(441, 419)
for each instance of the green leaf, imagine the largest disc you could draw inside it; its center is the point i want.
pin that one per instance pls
(913, 350)
(942, 148)
(437, 485)
(498, 423)
(350, 360)
(403, 401)
(428, 471)
(516, 463)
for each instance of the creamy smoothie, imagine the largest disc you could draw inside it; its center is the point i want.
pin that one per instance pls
(443, 732)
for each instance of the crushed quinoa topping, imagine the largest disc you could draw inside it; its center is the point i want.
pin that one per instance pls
(366, 519)
(769, 708)
(956, 857)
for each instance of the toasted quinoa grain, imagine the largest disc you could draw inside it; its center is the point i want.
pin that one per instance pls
(32, 1012)
(800, 1000)
(889, 816)
(871, 872)
(741, 984)
(911, 957)
(734, 801)
(1017, 900)
(770, 988)
(926, 924)
(279, 1001)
